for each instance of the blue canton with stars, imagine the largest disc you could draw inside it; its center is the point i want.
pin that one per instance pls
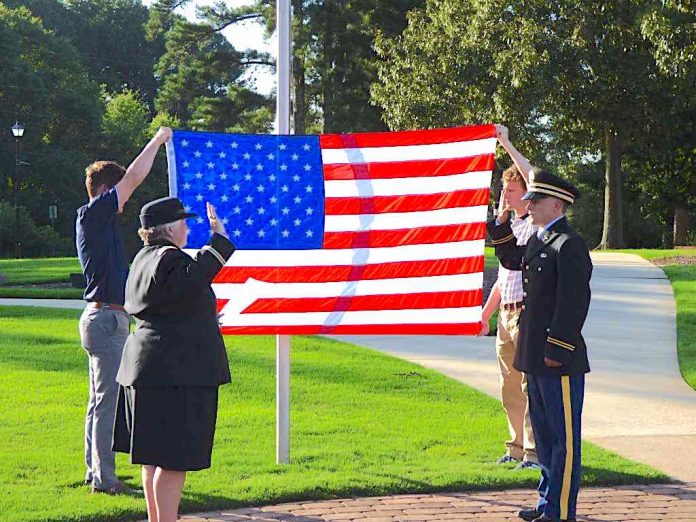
(268, 190)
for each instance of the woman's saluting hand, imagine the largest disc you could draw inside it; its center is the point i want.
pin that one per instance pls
(216, 224)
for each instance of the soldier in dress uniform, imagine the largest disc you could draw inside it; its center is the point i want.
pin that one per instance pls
(556, 270)
(175, 359)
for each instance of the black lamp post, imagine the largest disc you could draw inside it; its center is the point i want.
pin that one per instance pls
(17, 132)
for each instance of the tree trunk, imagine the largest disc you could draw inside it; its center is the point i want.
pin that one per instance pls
(298, 71)
(612, 231)
(329, 12)
(668, 230)
(681, 223)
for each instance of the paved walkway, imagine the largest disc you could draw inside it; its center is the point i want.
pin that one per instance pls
(620, 504)
(77, 304)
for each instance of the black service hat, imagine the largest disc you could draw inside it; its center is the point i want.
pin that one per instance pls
(543, 184)
(163, 210)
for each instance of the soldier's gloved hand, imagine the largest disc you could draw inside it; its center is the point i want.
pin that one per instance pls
(551, 363)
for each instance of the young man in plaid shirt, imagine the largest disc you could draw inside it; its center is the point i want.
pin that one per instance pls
(507, 295)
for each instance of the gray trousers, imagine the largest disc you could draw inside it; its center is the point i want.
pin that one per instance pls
(103, 333)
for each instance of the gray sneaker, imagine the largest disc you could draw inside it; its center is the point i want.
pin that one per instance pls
(119, 489)
(506, 459)
(527, 465)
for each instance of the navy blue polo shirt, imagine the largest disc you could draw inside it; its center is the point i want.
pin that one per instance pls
(100, 249)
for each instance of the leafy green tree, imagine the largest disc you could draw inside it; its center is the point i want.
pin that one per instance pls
(37, 241)
(125, 123)
(573, 79)
(202, 82)
(669, 169)
(126, 128)
(109, 36)
(44, 85)
(463, 62)
(334, 63)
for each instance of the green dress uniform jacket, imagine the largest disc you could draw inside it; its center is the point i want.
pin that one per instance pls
(556, 273)
(177, 340)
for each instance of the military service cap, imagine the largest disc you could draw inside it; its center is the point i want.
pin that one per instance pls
(543, 184)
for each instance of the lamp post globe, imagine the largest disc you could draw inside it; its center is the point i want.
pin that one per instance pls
(17, 130)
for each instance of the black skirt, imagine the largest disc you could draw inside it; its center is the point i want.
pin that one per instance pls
(169, 427)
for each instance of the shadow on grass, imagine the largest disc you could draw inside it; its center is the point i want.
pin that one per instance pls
(680, 273)
(596, 476)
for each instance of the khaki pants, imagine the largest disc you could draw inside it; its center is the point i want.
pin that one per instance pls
(513, 386)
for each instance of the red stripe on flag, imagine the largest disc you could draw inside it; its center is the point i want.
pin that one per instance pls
(410, 203)
(410, 236)
(358, 329)
(403, 138)
(221, 304)
(424, 300)
(320, 274)
(410, 169)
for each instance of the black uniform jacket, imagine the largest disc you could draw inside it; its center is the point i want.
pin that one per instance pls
(508, 252)
(556, 274)
(177, 340)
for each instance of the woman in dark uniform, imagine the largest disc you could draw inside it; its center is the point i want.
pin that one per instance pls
(175, 359)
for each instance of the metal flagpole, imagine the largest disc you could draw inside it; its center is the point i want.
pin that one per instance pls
(283, 341)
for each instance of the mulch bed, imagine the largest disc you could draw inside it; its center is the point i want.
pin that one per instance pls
(675, 260)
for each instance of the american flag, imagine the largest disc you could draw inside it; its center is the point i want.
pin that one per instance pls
(371, 233)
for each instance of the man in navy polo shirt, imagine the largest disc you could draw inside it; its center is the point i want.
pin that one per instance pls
(104, 325)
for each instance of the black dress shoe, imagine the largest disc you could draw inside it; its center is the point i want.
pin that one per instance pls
(529, 514)
(544, 518)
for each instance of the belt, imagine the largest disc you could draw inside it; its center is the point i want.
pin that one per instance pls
(512, 306)
(111, 306)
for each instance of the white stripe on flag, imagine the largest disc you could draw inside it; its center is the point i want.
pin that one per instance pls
(459, 149)
(470, 314)
(401, 220)
(355, 256)
(403, 186)
(403, 286)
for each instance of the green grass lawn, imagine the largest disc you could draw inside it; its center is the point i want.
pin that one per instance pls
(36, 271)
(22, 276)
(30, 292)
(363, 423)
(655, 253)
(683, 279)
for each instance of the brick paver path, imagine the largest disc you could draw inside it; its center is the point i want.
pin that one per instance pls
(672, 502)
